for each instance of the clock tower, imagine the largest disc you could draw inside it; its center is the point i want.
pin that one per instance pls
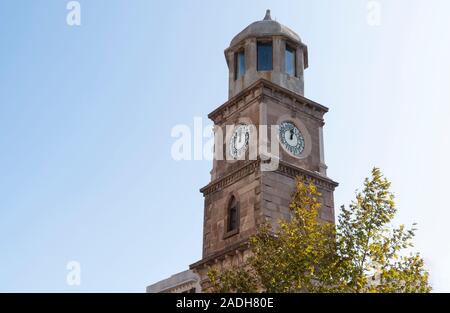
(266, 109)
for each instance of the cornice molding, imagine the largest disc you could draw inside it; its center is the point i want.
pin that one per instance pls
(229, 179)
(283, 168)
(318, 179)
(241, 245)
(257, 91)
(178, 288)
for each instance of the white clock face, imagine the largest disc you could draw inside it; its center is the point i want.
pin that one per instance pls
(239, 140)
(291, 138)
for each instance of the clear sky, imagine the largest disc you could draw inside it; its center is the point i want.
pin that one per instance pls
(86, 113)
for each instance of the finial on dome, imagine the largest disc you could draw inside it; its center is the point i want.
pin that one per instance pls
(267, 17)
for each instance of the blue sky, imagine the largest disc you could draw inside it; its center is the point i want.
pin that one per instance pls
(86, 113)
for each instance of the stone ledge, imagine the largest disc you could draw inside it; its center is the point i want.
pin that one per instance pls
(229, 179)
(318, 179)
(283, 168)
(217, 114)
(211, 259)
(177, 281)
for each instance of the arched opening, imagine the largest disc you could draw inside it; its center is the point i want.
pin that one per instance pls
(232, 215)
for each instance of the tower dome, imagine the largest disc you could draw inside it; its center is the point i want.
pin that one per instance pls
(266, 27)
(267, 50)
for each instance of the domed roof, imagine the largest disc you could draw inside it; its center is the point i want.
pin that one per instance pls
(266, 27)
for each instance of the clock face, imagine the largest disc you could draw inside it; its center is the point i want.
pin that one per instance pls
(291, 138)
(239, 140)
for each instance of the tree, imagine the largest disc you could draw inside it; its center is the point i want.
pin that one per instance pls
(362, 253)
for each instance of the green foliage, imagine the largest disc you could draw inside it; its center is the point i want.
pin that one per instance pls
(362, 253)
(235, 280)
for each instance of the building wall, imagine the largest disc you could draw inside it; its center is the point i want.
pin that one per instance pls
(262, 195)
(183, 282)
(246, 190)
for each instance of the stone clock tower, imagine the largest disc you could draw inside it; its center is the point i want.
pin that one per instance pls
(266, 62)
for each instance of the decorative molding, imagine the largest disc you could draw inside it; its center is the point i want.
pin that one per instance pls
(283, 168)
(231, 178)
(296, 108)
(182, 287)
(235, 107)
(255, 92)
(318, 179)
(221, 255)
(176, 283)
